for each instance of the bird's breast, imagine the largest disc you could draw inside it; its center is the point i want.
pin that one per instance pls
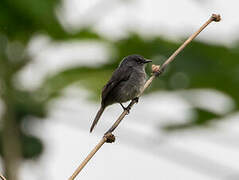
(132, 86)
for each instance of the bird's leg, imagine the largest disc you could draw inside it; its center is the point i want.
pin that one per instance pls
(125, 108)
(136, 99)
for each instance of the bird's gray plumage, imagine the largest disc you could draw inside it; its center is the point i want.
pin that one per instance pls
(125, 84)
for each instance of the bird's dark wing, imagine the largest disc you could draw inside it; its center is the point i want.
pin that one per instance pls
(120, 74)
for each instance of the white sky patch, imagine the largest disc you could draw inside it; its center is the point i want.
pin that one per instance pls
(69, 53)
(172, 19)
(230, 123)
(210, 99)
(52, 57)
(164, 108)
(220, 154)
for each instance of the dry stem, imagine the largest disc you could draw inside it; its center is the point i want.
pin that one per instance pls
(2, 177)
(109, 137)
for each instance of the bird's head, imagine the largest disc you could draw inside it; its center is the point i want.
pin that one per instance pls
(134, 61)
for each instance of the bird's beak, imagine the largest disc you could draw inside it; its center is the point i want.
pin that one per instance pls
(147, 61)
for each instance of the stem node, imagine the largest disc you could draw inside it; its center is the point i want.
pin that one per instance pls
(216, 17)
(109, 137)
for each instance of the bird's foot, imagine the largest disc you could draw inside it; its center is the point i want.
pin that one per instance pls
(136, 99)
(128, 110)
(125, 108)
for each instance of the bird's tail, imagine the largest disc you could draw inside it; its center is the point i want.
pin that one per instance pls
(97, 117)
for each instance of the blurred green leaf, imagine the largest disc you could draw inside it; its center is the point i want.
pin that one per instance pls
(32, 146)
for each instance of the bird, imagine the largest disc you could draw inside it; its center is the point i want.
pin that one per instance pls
(125, 84)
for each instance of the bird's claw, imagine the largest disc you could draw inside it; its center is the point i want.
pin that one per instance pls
(125, 108)
(136, 99)
(128, 110)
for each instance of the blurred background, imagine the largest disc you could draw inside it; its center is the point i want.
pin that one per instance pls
(56, 55)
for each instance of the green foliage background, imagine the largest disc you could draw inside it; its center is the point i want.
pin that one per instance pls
(205, 65)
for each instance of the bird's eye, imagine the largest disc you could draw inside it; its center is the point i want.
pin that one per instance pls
(139, 61)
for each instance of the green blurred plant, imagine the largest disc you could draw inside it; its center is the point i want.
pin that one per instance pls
(206, 66)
